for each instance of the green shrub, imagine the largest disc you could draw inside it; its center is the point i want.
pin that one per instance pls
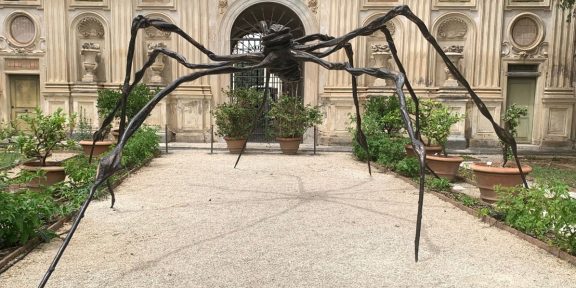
(290, 117)
(545, 212)
(235, 118)
(22, 216)
(382, 115)
(140, 147)
(383, 149)
(438, 184)
(409, 167)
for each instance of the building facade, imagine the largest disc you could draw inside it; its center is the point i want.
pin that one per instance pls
(58, 53)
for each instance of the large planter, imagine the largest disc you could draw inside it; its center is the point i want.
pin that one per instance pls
(289, 146)
(444, 166)
(235, 145)
(99, 147)
(489, 176)
(53, 173)
(430, 150)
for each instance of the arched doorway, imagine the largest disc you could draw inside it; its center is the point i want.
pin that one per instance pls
(246, 37)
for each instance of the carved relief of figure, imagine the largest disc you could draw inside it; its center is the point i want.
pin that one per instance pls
(313, 5)
(222, 5)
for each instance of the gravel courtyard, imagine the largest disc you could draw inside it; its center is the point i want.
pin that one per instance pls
(190, 219)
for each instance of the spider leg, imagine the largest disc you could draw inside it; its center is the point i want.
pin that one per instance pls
(360, 136)
(258, 115)
(141, 22)
(399, 79)
(111, 163)
(400, 66)
(379, 23)
(99, 134)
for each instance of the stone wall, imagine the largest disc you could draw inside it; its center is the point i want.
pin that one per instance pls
(85, 50)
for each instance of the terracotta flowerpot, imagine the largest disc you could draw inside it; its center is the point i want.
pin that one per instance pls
(489, 176)
(430, 150)
(53, 173)
(234, 145)
(99, 147)
(445, 167)
(289, 146)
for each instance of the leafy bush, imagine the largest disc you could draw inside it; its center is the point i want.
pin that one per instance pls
(545, 212)
(382, 114)
(511, 121)
(109, 98)
(140, 147)
(46, 132)
(409, 167)
(438, 184)
(383, 149)
(290, 117)
(22, 215)
(235, 118)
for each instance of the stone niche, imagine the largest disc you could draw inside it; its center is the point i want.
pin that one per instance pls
(378, 55)
(453, 33)
(160, 72)
(90, 47)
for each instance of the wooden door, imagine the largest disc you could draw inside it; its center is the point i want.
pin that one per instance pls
(521, 91)
(24, 94)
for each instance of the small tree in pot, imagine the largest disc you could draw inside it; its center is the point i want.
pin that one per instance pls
(488, 175)
(46, 133)
(290, 118)
(85, 137)
(235, 119)
(108, 99)
(437, 129)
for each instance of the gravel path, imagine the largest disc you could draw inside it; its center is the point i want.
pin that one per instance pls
(191, 220)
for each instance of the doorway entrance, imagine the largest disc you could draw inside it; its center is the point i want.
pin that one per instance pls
(521, 91)
(246, 37)
(24, 94)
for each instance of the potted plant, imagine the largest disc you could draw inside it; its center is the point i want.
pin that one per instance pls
(234, 119)
(109, 98)
(437, 130)
(46, 133)
(428, 114)
(488, 175)
(290, 118)
(85, 136)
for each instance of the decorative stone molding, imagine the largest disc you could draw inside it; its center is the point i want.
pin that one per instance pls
(90, 57)
(540, 52)
(526, 31)
(527, 4)
(153, 33)
(90, 28)
(452, 29)
(313, 5)
(22, 35)
(526, 38)
(455, 55)
(155, 4)
(366, 4)
(77, 4)
(222, 6)
(157, 68)
(454, 4)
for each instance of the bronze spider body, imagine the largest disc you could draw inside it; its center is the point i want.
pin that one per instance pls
(282, 55)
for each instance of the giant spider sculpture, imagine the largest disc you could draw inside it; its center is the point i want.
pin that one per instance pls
(282, 55)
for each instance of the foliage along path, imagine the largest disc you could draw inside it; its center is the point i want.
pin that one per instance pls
(191, 220)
